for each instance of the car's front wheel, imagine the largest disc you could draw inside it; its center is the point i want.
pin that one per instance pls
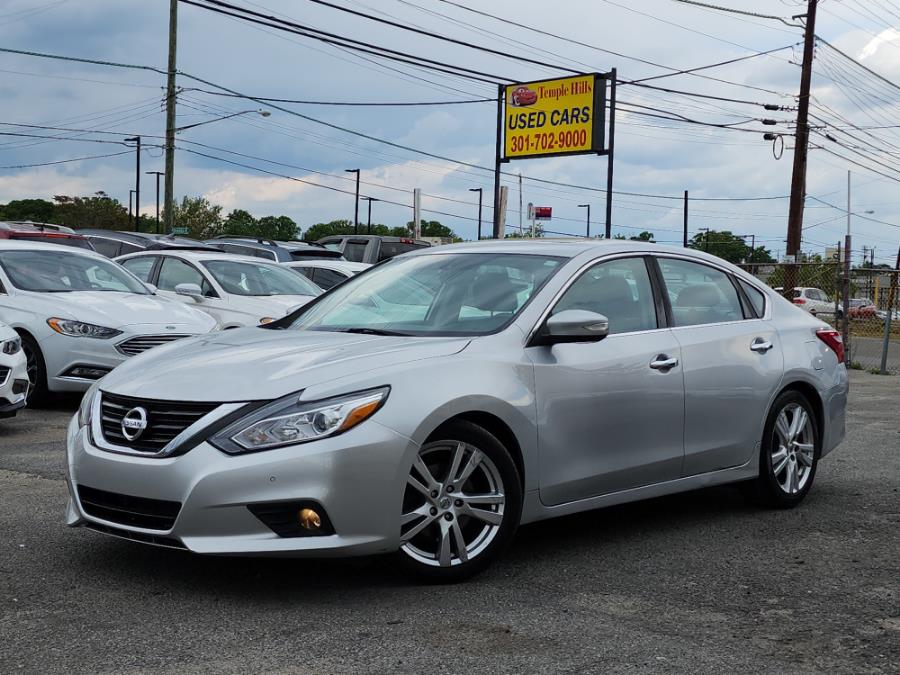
(461, 505)
(790, 452)
(37, 371)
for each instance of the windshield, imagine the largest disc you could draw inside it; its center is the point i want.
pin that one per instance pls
(61, 272)
(247, 278)
(443, 294)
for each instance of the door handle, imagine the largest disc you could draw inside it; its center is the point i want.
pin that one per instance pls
(761, 345)
(663, 362)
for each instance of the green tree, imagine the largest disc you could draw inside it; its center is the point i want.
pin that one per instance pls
(335, 227)
(432, 228)
(644, 236)
(241, 223)
(729, 247)
(202, 219)
(99, 211)
(35, 210)
(280, 228)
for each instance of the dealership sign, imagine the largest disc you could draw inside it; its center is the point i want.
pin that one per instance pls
(555, 117)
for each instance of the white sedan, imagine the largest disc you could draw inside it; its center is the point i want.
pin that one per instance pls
(80, 315)
(327, 273)
(235, 290)
(13, 373)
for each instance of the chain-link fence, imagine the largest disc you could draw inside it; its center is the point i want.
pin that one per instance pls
(870, 319)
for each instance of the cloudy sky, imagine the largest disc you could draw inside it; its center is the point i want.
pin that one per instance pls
(654, 156)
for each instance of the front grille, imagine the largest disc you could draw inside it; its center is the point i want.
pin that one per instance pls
(150, 514)
(4, 375)
(138, 345)
(165, 420)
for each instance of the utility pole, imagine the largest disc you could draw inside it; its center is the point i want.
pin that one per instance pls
(480, 192)
(130, 205)
(612, 150)
(752, 253)
(171, 95)
(356, 203)
(845, 285)
(157, 174)
(137, 182)
(801, 149)
(685, 218)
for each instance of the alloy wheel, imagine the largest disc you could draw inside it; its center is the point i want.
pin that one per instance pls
(453, 504)
(793, 448)
(32, 369)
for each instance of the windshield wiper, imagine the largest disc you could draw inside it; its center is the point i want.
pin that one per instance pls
(373, 331)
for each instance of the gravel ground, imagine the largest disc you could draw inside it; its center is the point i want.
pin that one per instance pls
(701, 582)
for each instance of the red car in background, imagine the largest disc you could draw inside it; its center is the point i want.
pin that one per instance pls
(861, 308)
(50, 234)
(523, 96)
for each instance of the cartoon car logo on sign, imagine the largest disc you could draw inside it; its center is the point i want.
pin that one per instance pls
(523, 96)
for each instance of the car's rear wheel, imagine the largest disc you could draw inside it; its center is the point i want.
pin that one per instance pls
(461, 505)
(37, 370)
(790, 452)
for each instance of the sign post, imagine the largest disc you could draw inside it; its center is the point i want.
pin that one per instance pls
(555, 118)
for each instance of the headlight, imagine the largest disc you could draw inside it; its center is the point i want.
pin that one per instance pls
(82, 329)
(87, 405)
(289, 421)
(12, 346)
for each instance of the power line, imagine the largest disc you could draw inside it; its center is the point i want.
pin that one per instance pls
(66, 161)
(268, 99)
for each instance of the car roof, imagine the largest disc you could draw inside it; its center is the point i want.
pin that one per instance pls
(27, 226)
(22, 245)
(380, 237)
(569, 247)
(331, 264)
(199, 256)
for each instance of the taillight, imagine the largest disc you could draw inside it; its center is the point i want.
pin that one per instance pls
(799, 301)
(834, 341)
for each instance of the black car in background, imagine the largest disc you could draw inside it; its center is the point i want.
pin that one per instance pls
(112, 243)
(279, 251)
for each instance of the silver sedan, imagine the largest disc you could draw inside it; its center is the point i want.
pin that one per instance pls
(432, 404)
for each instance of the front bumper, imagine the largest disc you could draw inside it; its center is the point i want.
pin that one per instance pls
(358, 478)
(14, 384)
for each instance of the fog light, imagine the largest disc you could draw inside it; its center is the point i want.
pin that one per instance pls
(309, 520)
(87, 372)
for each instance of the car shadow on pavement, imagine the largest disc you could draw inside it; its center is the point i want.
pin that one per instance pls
(591, 534)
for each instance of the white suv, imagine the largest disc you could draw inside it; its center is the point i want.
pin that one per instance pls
(80, 315)
(13, 373)
(235, 290)
(814, 300)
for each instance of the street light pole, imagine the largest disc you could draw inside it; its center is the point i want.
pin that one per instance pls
(369, 221)
(137, 181)
(157, 174)
(130, 205)
(480, 192)
(588, 207)
(356, 204)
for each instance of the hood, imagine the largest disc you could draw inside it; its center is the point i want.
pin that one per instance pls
(251, 364)
(122, 310)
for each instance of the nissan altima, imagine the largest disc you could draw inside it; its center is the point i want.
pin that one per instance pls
(80, 315)
(432, 405)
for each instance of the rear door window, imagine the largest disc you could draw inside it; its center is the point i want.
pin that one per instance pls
(699, 294)
(355, 251)
(326, 279)
(756, 297)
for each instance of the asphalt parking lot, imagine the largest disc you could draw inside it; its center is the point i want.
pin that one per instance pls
(702, 582)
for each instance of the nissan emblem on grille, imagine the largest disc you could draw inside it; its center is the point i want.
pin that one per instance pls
(134, 423)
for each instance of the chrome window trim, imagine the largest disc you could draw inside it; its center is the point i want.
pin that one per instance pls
(98, 441)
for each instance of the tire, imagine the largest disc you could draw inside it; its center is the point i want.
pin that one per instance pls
(444, 541)
(787, 460)
(37, 370)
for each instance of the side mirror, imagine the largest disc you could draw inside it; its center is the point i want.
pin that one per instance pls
(151, 288)
(191, 290)
(573, 325)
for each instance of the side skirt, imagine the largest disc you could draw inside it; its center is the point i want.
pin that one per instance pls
(533, 510)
